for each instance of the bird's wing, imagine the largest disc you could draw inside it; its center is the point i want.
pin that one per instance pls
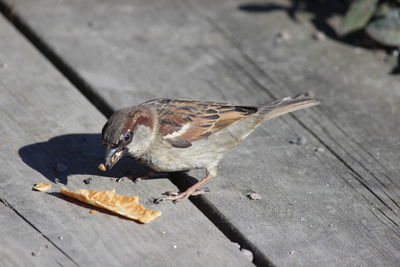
(184, 121)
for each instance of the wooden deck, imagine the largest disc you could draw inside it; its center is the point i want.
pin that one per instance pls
(65, 65)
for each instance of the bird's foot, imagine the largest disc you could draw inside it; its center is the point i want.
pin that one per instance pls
(175, 197)
(200, 191)
(120, 179)
(146, 175)
(136, 178)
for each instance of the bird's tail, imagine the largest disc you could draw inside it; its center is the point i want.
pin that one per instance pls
(286, 105)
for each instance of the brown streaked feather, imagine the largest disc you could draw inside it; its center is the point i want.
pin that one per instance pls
(194, 120)
(137, 118)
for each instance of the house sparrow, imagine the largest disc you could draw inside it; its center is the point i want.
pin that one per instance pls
(179, 135)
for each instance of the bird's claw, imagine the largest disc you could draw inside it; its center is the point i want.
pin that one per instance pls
(120, 179)
(136, 178)
(158, 200)
(175, 197)
(146, 175)
(200, 191)
(169, 193)
(164, 196)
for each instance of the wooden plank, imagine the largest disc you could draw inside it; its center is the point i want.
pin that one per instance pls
(21, 245)
(332, 207)
(45, 122)
(358, 120)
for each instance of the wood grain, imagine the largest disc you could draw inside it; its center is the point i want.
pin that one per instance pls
(22, 245)
(46, 122)
(332, 201)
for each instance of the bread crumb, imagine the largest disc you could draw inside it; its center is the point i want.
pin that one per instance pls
(93, 211)
(102, 167)
(42, 187)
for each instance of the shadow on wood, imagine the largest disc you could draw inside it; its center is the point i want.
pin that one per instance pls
(90, 207)
(71, 154)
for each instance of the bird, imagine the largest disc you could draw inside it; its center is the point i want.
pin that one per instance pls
(173, 135)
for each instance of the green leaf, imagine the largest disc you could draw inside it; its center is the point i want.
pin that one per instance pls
(358, 15)
(386, 29)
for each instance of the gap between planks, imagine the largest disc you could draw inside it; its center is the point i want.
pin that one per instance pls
(8, 205)
(209, 210)
(253, 66)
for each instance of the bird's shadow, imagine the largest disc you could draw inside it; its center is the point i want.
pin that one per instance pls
(72, 154)
(89, 206)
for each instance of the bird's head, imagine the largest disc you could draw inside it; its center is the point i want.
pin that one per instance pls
(129, 131)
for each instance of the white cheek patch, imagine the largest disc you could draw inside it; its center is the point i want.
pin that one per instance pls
(181, 131)
(141, 140)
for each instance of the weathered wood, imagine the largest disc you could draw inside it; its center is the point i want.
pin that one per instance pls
(358, 121)
(334, 206)
(22, 245)
(45, 121)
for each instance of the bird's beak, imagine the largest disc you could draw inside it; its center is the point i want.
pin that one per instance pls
(113, 155)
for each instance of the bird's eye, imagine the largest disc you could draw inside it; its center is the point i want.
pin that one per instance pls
(126, 137)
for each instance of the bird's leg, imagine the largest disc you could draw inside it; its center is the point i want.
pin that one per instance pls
(192, 190)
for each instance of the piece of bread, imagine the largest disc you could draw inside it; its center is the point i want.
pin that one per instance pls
(123, 205)
(102, 167)
(42, 187)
